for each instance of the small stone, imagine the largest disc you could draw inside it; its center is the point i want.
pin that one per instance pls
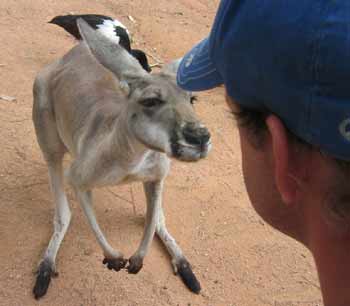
(7, 98)
(132, 19)
(87, 252)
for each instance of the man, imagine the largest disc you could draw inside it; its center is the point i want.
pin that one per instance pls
(285, 66)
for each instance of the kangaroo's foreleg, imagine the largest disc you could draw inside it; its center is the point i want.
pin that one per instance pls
(153, 192)
(113, 258)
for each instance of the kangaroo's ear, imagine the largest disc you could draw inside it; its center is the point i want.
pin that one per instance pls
(111, 55)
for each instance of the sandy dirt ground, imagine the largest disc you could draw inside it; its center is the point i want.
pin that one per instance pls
(236, 256)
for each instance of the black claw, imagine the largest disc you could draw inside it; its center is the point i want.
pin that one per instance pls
(43, 279)
(135, 265)
(115, 263)
(134, 270)
(187, 276)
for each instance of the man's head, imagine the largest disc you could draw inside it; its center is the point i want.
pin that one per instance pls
(286, 69)
(291, 183)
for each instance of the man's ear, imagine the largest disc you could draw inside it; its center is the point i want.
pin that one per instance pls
(287, 178)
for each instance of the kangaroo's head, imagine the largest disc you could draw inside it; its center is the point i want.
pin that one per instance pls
(160, 114)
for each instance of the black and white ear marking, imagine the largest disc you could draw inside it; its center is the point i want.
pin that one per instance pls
(116, 32)
(111, 28)
(142, 58)
(111, 55)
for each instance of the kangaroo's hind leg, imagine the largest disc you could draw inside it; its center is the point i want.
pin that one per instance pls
(53, 150)
(180, 264)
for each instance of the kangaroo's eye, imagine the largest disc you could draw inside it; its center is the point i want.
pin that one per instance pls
(193, 99)
(151, 102)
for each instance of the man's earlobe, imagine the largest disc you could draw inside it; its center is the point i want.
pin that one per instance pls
(283, 155)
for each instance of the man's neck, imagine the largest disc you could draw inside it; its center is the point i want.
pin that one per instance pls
(330, 246)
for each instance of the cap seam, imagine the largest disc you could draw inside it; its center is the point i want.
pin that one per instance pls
(189, 78)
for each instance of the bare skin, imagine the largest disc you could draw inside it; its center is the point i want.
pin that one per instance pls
(289, 188)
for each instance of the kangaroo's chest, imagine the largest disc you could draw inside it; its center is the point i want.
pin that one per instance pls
(153, 166)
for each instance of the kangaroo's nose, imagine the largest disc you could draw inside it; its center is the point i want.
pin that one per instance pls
(196, 135)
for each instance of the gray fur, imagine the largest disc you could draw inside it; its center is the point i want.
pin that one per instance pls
(81, 109)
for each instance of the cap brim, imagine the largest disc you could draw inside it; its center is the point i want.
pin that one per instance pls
(196, 71)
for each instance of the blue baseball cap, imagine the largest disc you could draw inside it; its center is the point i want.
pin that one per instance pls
(291, 58)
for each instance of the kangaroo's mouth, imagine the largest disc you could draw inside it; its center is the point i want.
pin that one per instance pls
(191, 146)
(184, 151)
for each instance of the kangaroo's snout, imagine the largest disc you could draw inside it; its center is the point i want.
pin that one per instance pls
(195, 134)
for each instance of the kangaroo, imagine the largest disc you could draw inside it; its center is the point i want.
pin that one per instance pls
(120, 124)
